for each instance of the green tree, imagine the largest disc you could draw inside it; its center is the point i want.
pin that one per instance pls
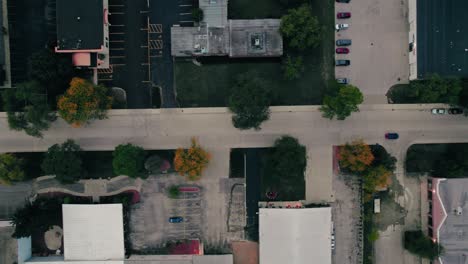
(64, 161)
(249, 101)
(300, 28)
(382, 157)
(342, 104)
(36, 217)
(10, 169)
(27, 108)
(293, 67)
(128, 160)
(174, 192)
(355, 156)
(373, 235)
(197, 14)
(52, 70)
(285, 166)
(375, 178)
(419, 244)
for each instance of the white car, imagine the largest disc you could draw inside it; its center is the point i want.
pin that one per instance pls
(438, 111)
(339, 27)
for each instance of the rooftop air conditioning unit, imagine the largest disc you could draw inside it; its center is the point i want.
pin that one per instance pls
(459, 211)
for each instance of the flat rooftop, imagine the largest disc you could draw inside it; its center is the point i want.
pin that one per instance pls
(203, 41)
(442, 32)
(80, 24)
(296, 236)
(453, 234)
(215, 12)
(255, 38)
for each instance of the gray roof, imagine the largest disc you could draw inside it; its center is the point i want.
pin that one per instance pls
(255, 38)
(202, 41)
(454, 230)
(214, 12)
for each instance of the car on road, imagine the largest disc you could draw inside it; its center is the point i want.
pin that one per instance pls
(342, 80)
(455, 111)
(176, 219)
(391, 135)
(342, 62)
(343, 42)
(339, 27)
(343, 15)
(438, 111)
(342, 50)
(343, 1)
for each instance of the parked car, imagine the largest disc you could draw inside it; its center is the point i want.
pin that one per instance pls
(343, 1)
(439, 111)
(455, 111)
(343, 42)
(342, 62)
(342, 50)
(176, 219)
(391, 135)
(343, 15)
(342, 80)
(339, 27)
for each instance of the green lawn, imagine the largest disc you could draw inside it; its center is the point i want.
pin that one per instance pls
(209, 85)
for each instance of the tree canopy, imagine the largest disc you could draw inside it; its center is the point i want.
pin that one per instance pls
(285, 166)
(191, 162)
(419, 244)
(27, 108)
(11, 169)
(375, 178)
(382, 157)
(355, 157)
(342, 104)
(83, 102)
(300, 28)
(250, 102)
(64, 161)
(293, 67)
(128, 160)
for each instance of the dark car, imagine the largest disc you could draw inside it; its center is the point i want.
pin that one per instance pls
(343, 15)
(391, 135)
(343, 1)
(342, 80)
(176, 219)
(342, 62)
(343, 42)
(342, 50)
(455, 111)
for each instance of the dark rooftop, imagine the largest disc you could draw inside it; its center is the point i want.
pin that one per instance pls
(80, 24)
(442, 44)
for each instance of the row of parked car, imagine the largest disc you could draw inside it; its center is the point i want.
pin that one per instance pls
(342, 43)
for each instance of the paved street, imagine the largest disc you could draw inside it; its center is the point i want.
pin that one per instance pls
(172, 128)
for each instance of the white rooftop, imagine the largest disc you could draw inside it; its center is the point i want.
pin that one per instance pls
(299, 236)
(93, 232)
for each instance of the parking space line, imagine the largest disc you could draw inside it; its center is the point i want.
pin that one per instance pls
(144, 47)
(116, 48)
(186, 21)
(145, 64)
(118, 64)
(112, 25)
(116, 5)
(184, 5)
(116, 33)
(144, 11)
(116, 41)
(116, 57)
(117, 13)
(146, 81)
(184, 14)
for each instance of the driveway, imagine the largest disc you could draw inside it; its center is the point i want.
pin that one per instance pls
(379, 33)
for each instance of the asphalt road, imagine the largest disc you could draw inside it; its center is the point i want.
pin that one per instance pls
(172, 128)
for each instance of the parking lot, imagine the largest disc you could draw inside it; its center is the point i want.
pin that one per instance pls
(378, 54)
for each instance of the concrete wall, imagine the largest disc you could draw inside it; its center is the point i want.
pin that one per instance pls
(24, 249)
(413, 30)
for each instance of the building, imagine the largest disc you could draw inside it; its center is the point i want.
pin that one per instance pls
(448, 217)
(94, 234)
(83, 30)
(296, 236)
(218, 36)
(438, 38)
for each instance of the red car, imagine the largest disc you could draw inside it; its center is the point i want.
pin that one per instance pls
(343, 15)
(342, 50)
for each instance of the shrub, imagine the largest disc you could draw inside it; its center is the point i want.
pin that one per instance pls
(128, 160)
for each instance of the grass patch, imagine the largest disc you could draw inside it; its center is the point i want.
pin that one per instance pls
(236, 163)
(209, 85)
(242, 9)
(368, 228)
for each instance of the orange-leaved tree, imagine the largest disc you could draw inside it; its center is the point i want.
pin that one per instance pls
(191, 162)
(356, 156)
(83, 101)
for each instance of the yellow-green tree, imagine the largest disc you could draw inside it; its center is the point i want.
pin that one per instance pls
(191, 162)
(83, 101)
(355, 156)
(10, 169)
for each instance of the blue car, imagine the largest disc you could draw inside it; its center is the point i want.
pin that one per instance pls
(391, 135)
(176, 219)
